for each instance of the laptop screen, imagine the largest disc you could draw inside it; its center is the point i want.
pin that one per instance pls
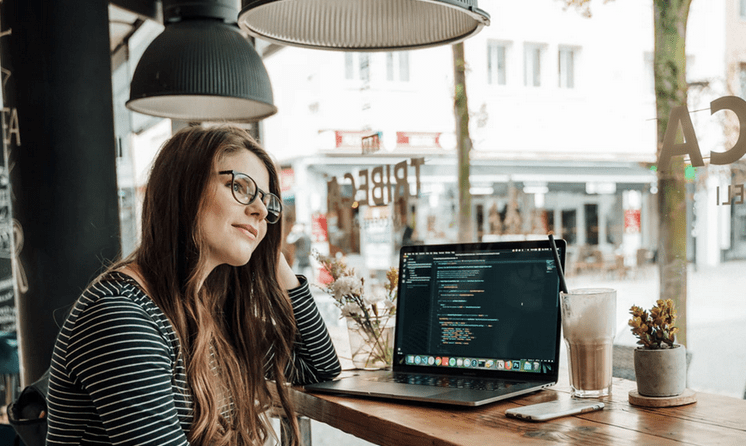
(489, 309)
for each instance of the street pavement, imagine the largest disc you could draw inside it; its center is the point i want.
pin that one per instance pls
(716, 313)
(716, 317)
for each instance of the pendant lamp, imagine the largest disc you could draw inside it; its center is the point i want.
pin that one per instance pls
(362, 25)
(202, 67)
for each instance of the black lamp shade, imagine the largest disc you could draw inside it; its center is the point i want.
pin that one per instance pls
(202, 70)
(362, 25)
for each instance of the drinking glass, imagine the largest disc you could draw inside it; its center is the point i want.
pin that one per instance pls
(588, 326)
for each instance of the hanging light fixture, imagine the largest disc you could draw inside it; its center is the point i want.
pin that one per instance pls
(362, 25)
(201, 67)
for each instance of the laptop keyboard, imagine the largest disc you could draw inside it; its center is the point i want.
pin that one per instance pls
(449, 382)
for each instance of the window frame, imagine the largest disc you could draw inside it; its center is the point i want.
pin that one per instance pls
(567, 79)
(495, 74)
(398, 67)
(534, 57)
(355, 69)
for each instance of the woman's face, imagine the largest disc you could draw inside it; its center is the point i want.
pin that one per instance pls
(232, 231)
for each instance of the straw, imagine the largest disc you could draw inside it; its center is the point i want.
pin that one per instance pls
(563, 284)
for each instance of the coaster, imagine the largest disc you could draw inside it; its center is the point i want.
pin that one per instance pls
(688, 397)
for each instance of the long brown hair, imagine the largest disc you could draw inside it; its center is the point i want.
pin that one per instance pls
(228, 325)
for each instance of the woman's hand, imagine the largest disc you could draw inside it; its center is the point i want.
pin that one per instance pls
(285, 275)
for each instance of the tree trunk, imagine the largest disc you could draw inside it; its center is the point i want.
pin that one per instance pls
(463, 144)
(670, 21)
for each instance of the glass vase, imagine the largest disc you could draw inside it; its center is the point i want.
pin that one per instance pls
(371, 341)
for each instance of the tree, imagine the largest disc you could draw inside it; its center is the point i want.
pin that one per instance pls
(669, 66)
(670, 19)
(463, 143)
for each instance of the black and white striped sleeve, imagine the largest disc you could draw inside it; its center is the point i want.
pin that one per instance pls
(122, 359)
(314, 356)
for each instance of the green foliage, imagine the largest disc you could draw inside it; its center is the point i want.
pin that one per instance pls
(654, 329)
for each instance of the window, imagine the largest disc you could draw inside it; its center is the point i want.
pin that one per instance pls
(742, 9)
(566, 67)
(569, 226)
(496, 55)
(404, 66)
(364, 67)
(532, 65)
(357, 66)
(591, 223)
(349, 64)
(397, 66)
(649, 73)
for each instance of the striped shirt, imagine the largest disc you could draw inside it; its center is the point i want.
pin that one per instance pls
(117, 378)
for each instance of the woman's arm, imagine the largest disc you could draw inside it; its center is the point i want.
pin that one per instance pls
(314, 357)
(285, 275)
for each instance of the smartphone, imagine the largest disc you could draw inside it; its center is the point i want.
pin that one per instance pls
(553, 409)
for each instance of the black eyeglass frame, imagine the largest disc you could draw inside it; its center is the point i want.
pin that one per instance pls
(257, 191)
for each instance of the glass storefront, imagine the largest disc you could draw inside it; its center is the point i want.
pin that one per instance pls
(563, 126)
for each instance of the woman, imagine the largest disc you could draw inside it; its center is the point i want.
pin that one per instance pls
(172, 344)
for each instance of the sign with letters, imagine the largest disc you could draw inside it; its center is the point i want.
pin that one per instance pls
(374, 187)
(679, 118)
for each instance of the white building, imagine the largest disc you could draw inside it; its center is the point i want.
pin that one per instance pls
(562, 122)
(562, 108)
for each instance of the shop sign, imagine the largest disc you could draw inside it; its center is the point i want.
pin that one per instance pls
(350, 140)
(680, 118)
(11, 126)
(371, 143)
(374, 187)
(319, 232)
(736, 191)
(632, 221)
(372, 140)
(287, 179)
(418, 140)
(377, 236)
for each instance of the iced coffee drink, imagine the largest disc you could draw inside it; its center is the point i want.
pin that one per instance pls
(589, 325)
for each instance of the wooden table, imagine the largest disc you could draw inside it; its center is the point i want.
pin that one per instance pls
(713, 419)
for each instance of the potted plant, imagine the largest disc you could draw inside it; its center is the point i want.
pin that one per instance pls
(660, 363)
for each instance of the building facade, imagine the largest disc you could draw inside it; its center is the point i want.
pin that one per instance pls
(563, 127)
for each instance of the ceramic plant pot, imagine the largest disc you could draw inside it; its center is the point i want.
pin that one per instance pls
(661, 372)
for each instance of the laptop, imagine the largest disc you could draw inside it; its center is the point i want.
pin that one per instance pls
(475, 323)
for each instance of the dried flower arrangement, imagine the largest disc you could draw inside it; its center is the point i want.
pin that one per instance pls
(371, 314)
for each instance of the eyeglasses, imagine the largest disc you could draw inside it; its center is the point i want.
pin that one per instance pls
(245, 191)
